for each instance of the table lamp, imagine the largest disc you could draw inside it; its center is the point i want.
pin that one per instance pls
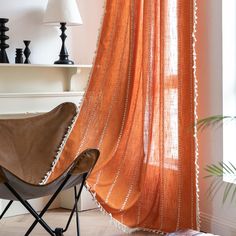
(65, 13)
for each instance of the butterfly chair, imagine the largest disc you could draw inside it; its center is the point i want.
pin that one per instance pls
(28, 147)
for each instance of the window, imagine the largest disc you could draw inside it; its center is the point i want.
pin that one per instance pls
(229, 81)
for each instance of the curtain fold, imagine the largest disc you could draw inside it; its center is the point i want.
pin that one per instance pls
(139, 112)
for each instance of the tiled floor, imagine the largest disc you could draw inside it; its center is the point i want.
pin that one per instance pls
(92, 223)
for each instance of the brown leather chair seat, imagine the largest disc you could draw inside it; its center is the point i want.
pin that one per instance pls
(28, 146)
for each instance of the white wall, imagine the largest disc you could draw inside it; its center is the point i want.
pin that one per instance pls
(25, 22)
(85, 37)
(217, 218)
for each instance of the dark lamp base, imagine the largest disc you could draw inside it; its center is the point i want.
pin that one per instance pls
(64, 56)
(66, 62)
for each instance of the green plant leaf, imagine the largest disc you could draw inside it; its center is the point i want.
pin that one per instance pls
(216, 172)
(227, 168)
(233, 166)
(212, 121)
(227, 191)
(215, 186)
(233, 194)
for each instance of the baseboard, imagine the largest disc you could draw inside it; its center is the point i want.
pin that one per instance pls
(217, 225)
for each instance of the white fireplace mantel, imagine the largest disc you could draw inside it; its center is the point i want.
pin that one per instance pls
(26, 89)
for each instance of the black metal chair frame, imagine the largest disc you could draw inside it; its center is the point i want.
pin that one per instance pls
(39, 216)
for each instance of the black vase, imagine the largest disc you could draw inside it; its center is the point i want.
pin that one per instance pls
(27, 52)
(19, 56)
(3, 38)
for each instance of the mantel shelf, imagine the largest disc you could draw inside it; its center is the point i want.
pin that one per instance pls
(33, 88)
(42, 94)
(71, 77)
(46, 65)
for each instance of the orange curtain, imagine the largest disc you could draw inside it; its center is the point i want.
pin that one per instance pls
(139, 112)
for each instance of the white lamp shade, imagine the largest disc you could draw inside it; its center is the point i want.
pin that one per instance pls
(62, 11)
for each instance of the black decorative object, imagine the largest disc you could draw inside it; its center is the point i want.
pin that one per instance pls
(19, 56)
(27, 52)
(64, 56)
(3, 38)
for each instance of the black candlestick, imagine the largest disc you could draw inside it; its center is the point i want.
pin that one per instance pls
(19, 56)
(3, 38)
(64, 56)
(27, 52)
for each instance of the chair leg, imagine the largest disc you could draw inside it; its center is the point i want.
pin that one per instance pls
(47, 206)
(38, 217)
(6, 208)
(58, 232)
(31, 210)
(75, 206)
(76, 211)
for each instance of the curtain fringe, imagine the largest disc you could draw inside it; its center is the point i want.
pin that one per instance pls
(195, 109)
(60, 149)
(118, 224)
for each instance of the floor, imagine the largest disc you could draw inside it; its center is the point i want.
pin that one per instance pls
(92, 223)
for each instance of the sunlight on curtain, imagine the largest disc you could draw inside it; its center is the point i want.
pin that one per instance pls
(172, 71)
(173, 36)
(139, 112)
